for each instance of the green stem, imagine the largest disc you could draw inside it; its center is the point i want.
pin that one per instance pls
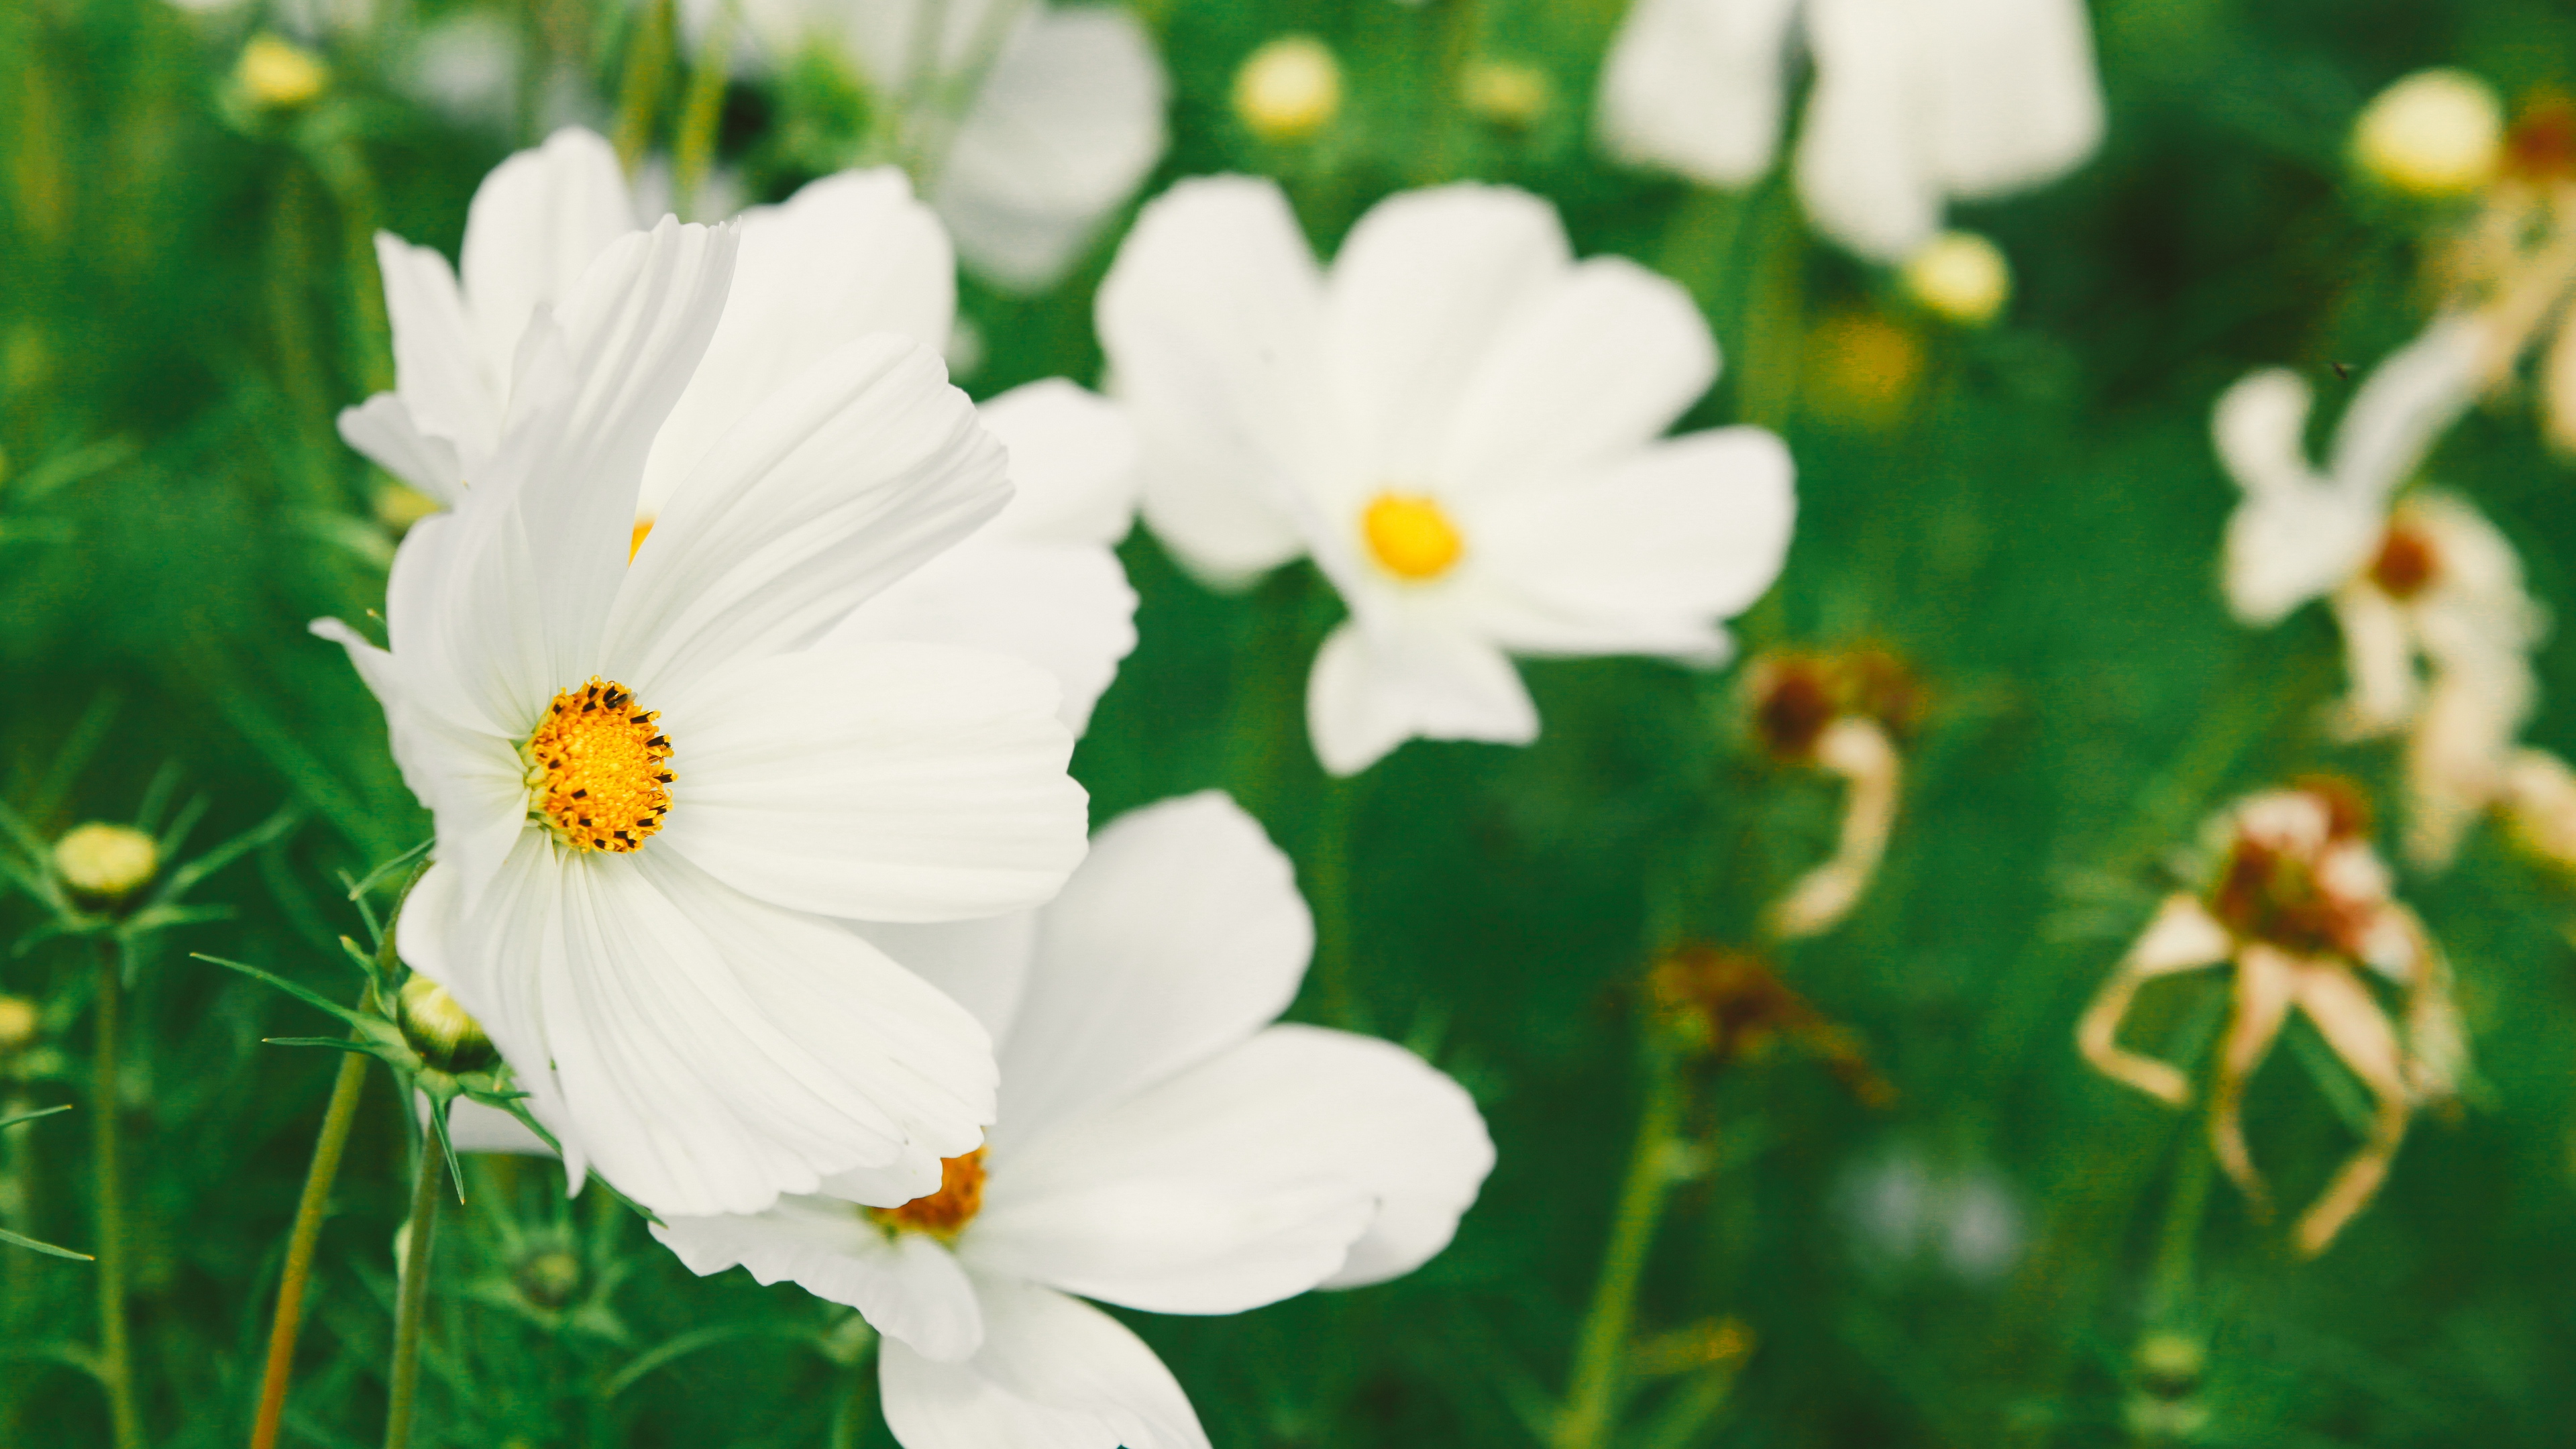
(694, 150)
(412, 1303)
(1331, 888)
(2185, 1207)
(116, 1364)
(300, 1245)
(1774, 316)
(1600, 1356)
(639, 91)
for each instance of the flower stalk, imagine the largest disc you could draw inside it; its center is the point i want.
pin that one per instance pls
(411, 1306)
(1592, 1401)
(116, 1364)
(300, 1245)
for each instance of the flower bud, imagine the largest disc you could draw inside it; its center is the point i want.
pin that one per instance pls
(1504, 93)
(2434, 133)
(1288, 89)
(1960, 277)
(18, 1023)
(279, 75)
(1860, 369)
(103, 864)
(398, 506)
(548, 1277)
(444, 1034)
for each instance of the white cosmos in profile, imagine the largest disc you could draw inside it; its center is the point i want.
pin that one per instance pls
(1161, 1145)
(1029, 123)
(848, 256)
(1461, 425)
(2437, 627)
(654, 796)
(1915, 102)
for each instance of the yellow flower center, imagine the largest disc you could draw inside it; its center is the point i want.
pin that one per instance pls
(1410, 537)
(945, 1213)
(599, 770)
(635, 542)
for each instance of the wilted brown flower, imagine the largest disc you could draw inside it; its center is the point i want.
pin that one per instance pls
(1844, 714)
(1731, 1007)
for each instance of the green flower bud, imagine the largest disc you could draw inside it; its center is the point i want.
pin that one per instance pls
(103, 864)
(434, 1025)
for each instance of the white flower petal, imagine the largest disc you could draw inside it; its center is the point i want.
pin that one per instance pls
(1862, 163)
(1641, 558)
(1065, 608)
(1425, 286)
(982, 964)
(1600, 364)
(1067, 123)
(1241, 1181)
(439, 368)
(866, 466)
(706, 1052)
(890, 782)
(1212, 320)
(2013, 94)
(2260, 426)
(1054, 1373)
(2405, 406)
(1697, 85)
(2285, 548)
(906, 1285)
(1182, 935)
(1372, 691)
(847, 256)
(384, 430)
(1073, 463)
(535, 225)
(473, 1127)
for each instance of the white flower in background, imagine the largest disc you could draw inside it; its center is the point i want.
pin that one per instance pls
(655, 800)
(2423, 582)
(1460, 425)
(2434, 133)
(2301, 906)
(1161, 1146)
(848, 256)
(1902, 1208)
(1029, 123)
(1915, 102)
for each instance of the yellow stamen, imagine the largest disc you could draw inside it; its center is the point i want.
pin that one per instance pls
(635, 544)
(1411, 538)
(599, 770)
(945, 1213)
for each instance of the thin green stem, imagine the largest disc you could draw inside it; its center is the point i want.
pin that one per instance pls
(639, 91)
(693, 150)
(1601, 1349)
(300, 1245)
(2186, 1205)
(412, 1303)
(116, 1363)
(1330, 888)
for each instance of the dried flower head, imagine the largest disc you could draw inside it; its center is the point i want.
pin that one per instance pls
(1729, 1007)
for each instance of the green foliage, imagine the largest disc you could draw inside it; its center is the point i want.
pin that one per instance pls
(186, 297)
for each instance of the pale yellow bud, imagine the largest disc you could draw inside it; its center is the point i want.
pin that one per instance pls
(442, 1031)
(2434, 133)
(278, 74)
(399, 506)
(1504, 92)
(1961, 277)
(1288, 89)
(18, 1022)
(106, 862)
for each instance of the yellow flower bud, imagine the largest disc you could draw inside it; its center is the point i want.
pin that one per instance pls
(443, 1032)
(1960, 277)
(18, 1023)
(1288, 89)
(1504, 92)
(2434, 133)
(106, 863)
(398, 506)
(278, 74)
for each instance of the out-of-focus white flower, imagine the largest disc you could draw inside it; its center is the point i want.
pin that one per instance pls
(2419, 583)
(1960, 277)
(1026, 124)
(1162, 1146)
(2437, 132)
(1902, 1209)
(1460, 425)
(2299, 904)
(2513, 264)
(847, 256)
(465, 66)
(1915, 102)
(1288, 89)
(2540, 805)
(656, 799)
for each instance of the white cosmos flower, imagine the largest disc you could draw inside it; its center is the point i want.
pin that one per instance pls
(2419, 584)
(1915, 102)
(1031, 122)
(847, 256)
(1460, 425)
(654, 796)
(1161, 1146)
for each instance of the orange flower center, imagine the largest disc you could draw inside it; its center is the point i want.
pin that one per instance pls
(2406, 563)
(599, 769)
(945, 1213)
(1410, 537)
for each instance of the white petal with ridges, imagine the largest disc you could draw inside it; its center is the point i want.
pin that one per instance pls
(906, 1285)
(535, 225)
(1698, 85)
(1054, 1373)
(1372, 691)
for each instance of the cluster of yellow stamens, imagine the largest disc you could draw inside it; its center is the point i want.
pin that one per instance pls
(945, 1213)
(1410, 536)
(599, 769)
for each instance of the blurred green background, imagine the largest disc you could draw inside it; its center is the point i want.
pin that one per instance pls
(2028, 515)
